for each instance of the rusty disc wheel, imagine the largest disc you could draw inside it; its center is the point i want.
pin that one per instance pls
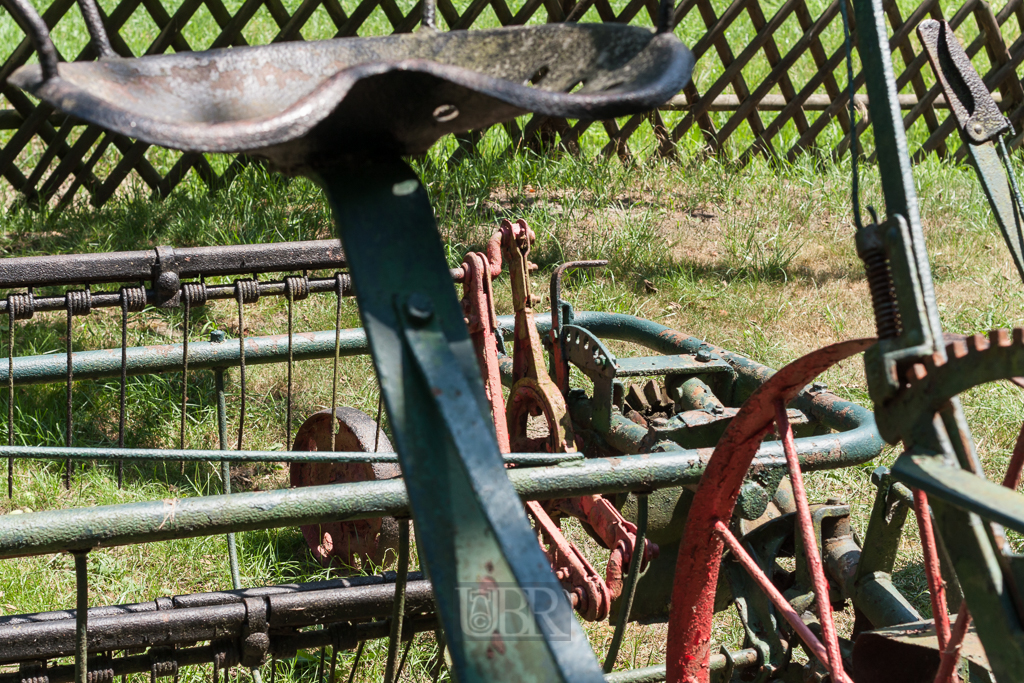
(350, 544)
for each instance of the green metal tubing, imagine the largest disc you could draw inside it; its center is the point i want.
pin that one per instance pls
(40, 533)
(146, 454)
(656, 674)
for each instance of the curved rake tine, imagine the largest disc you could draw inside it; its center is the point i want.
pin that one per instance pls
(77, 302)
(10, 395)
(629, 591)
(225, 465)
(355, 664)
(295, 288)
(405, 654)
(334, 383)
(184, 372)
(81, 615)
(397, 614)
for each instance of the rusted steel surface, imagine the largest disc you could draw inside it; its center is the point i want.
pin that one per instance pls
(701, 549)
(351, 544)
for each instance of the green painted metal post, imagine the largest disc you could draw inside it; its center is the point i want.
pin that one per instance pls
(470, 524)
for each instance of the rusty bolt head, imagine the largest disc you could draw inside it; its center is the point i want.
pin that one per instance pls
(217, 336)
(704, 353)
(419, 308)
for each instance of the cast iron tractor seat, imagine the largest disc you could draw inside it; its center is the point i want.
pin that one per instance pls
(303, 104)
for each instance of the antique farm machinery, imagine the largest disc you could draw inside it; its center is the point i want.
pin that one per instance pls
(680, 462)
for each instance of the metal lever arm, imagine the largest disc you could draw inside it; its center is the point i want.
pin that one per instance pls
(982, 127)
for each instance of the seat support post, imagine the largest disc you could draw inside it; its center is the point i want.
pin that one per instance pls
(504, 614)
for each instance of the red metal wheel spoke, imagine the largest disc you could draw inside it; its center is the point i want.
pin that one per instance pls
(780, 602)
(813, 556)
(936, 586)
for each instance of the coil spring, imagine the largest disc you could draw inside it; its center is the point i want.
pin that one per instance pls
(296, 287)
(883, 298)
(134, 298)
(104, 675)
(79, 301)
(194, 293)
(247, 290)
(21, 306)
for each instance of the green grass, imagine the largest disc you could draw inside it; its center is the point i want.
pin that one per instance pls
(760, 260)
(200, 32)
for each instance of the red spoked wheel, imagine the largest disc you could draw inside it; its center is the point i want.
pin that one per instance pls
(350, 544)
(707, 532)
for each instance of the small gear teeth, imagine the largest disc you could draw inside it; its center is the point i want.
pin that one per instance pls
(933, 361)
(999, 338)
(977, 342)
(917, 372)
(957, 349)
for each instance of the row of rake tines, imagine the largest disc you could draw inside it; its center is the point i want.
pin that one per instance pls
(135, 299)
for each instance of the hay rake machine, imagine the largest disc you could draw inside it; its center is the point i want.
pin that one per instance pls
(674, 476)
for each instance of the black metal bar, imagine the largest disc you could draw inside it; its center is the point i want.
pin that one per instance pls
(190, 262)
(131, 626)
(81, 616)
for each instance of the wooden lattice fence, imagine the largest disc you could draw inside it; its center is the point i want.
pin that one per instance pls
(771, 80)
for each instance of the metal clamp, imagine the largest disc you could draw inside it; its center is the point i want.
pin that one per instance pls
(166, 281)
(255, 636)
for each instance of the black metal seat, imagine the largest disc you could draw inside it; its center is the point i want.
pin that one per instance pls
(301, 104)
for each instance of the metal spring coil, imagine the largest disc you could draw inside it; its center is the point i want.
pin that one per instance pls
(21, 306)
(297, 288)
(883, 299)
(247, 290)
(134, 298)
(79, 301)
(195, 293)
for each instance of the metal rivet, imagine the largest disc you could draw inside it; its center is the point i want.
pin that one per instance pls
(217, 336)
(704, 353)
(419, 308)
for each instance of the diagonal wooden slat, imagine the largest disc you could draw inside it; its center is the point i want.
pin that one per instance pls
(73, 153)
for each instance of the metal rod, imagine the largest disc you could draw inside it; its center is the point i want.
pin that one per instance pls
(123, 398)
(936, 585)
(291, 365)
(355, 664)
(334, 382)
(629, 592)
(225, 465)
(184, 373)
(401, 662)
(197, 455)
(811, 551)
(68, 424)
(81, 615)
(10, 404)
(398, 610)
(189, 262)
(40, 533)
(241, 363)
